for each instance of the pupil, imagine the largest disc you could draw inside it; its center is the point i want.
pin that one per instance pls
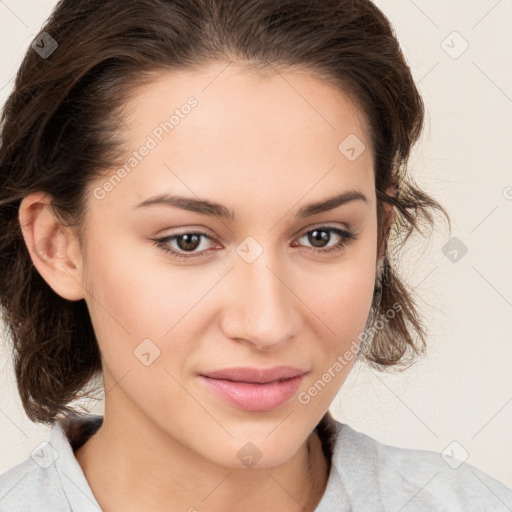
(191, 242)
(319, 235)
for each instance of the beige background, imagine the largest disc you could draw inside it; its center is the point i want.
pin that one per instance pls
(462, 390)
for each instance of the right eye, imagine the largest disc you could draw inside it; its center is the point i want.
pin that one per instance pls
(191, 239)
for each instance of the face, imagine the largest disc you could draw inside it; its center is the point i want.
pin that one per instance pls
(259, 282)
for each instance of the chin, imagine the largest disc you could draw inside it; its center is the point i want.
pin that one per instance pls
(254, 451)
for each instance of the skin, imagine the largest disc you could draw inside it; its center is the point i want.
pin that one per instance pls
(263, 145)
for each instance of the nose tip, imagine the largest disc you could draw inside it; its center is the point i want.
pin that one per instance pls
(263, 311)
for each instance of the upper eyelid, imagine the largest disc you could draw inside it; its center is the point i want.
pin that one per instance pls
(347, 236)
(324, 225)
(204, 232)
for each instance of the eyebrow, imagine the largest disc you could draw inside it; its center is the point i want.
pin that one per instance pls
(206, 207)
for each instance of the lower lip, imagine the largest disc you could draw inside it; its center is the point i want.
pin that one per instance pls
(255, 397)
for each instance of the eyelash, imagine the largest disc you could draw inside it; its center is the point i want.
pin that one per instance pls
(345, 239)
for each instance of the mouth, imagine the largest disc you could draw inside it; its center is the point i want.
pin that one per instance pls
(254, 389)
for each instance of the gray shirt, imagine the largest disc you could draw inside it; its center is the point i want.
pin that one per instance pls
(365, 476)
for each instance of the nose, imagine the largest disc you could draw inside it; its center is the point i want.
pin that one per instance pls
(262, 309)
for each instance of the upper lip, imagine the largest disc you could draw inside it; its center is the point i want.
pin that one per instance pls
(256, 375)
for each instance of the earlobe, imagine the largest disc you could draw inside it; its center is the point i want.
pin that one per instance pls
(53, 247)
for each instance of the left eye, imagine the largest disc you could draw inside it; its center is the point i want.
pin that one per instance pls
(189, 241)
(318, 236)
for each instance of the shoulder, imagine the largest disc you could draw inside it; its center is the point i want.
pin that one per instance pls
(50, 478)
(33, 484)
(411, 479)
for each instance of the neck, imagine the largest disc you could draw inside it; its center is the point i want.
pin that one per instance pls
(168, 478)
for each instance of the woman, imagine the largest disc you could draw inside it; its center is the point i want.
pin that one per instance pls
(198, 198)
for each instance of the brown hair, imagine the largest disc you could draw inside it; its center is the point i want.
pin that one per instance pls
(61, 126)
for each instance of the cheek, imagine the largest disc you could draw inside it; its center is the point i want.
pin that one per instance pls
(133, 289)
(136, 295)
(341, 299)
(341, 294)
(139, 313)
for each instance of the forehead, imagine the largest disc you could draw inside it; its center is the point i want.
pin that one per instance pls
(227, 131)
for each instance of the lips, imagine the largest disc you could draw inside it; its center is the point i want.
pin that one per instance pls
(256, 375)
(254, 389)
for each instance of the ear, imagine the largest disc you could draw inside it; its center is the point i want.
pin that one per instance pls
(53, 248)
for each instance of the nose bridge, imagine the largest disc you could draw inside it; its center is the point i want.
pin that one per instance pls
(265, 308)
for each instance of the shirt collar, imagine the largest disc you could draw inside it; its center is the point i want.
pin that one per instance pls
(74, 483)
